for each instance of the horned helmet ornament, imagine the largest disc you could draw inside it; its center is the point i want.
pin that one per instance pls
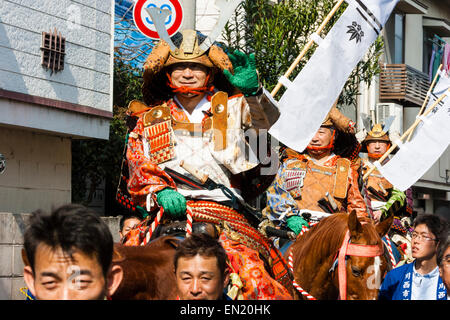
(186, 46)
(377, 131)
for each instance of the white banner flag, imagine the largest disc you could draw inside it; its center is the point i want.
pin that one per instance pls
(309, 98)
(431, 138)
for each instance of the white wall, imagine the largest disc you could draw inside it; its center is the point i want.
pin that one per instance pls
(414, 41)
(86, 25)
(38, 170)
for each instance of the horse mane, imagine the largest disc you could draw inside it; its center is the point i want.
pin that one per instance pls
(315, 252)
(326, 236)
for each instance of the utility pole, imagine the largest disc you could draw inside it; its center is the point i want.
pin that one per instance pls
(189, 13)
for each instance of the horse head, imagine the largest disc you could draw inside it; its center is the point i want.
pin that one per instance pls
(365, 264)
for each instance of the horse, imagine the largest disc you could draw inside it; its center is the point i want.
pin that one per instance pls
(148, 270)
(325, 270)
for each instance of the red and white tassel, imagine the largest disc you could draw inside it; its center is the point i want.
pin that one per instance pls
(391, 254)
(188, 222)
(294, 283)
(304, 229)
(153, 226)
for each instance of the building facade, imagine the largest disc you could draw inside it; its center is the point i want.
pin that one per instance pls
(415, 30)
(56, 71)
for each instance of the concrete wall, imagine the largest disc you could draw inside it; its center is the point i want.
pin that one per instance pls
(84, 87)
(52, 120)
(86, 78)
(414, 41)
(41, 111)
(38, 170)
(12, 228)
(437, 8)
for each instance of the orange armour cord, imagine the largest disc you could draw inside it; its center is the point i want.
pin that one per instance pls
(329, 146)
(205, 89)
(375, 155)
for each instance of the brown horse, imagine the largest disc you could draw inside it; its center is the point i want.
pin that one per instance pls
(148, 270)
(315, 255)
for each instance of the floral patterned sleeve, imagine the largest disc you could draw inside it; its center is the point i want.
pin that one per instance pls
(146, 178)
(280, 202)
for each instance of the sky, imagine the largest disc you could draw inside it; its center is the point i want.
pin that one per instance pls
(132, 44)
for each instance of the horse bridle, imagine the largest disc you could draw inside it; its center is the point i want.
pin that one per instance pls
(352, 249)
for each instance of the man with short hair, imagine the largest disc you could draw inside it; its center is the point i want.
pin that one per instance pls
(420, 279)
(127, 223)
(443, 260)
(200, 266)
(68, 255)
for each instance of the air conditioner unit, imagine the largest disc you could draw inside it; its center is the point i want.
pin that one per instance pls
(385, 110)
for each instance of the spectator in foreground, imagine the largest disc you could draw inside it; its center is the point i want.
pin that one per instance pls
(419, 280)
(443, 260)
(127, 223)
(201, 269)
(68, 255)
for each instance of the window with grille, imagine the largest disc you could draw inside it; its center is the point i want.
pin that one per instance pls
(53, 50)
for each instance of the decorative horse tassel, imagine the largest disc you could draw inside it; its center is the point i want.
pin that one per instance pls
(391, 254)
(188, 222)
(294, 283)
(152, 228)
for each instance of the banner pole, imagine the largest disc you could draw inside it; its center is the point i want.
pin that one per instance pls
(428, 95)
(307, 46)
(407, 132)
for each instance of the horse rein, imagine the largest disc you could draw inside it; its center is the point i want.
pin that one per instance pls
(346, 249)
(352, 249)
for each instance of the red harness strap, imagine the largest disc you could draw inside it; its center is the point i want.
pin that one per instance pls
(350, 249)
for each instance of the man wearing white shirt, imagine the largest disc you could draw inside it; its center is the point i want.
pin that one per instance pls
(420, 279)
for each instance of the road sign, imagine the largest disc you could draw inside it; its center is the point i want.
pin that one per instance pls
(143, 20)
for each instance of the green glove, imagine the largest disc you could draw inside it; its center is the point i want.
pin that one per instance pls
(295, 223)
(245, 77)
(395, 202)
(173, 202)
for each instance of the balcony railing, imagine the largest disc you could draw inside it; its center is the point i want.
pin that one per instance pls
(402, 82)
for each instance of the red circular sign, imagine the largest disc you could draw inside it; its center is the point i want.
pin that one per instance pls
(142, 18)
